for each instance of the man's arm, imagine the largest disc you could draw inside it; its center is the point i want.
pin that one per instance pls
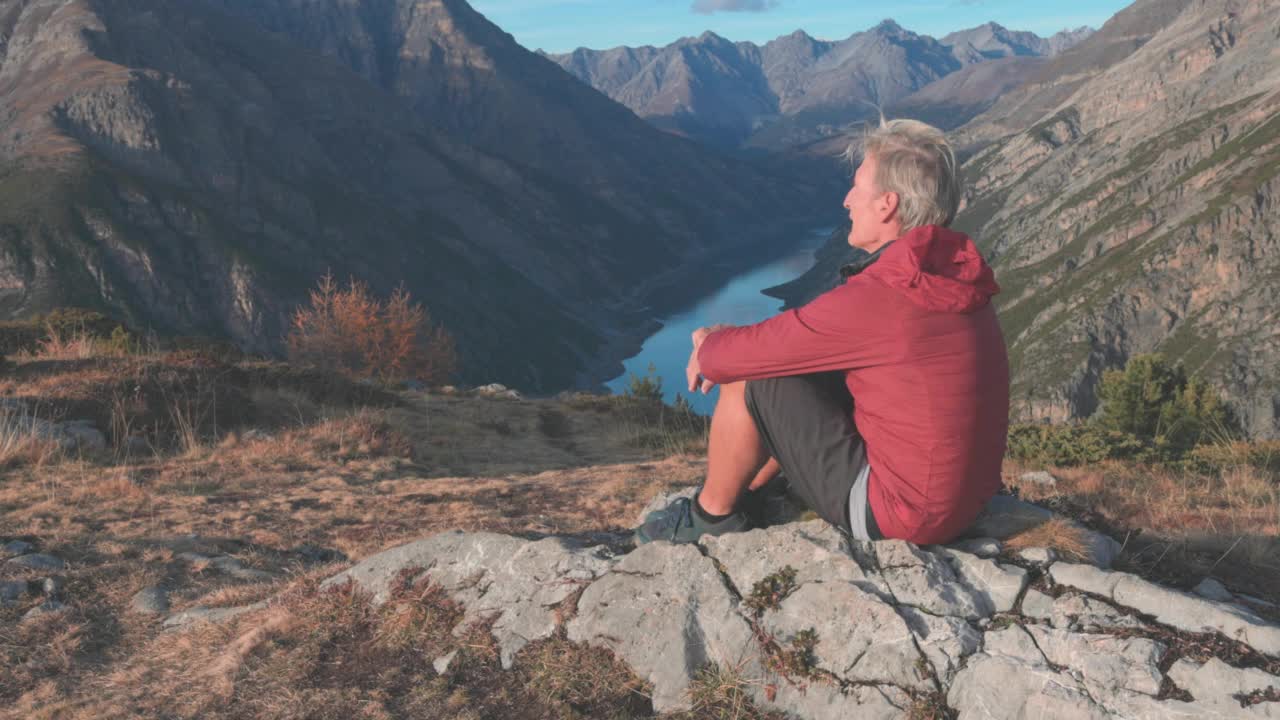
(837, 331)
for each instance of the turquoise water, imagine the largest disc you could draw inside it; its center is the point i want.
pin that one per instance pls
(739, 302)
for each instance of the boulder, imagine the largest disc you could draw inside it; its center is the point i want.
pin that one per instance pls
(517, 582)
(1216, 682)
(14, 548)
(926, 581)
(38, 561)
(815, 550)
(945, 641)
(996, 585)
(1105, 664)
(1073, 611)
(1173, 607)
(678, 616)
(11, 591)
(150, 601)
(80, 436)
(860, 638)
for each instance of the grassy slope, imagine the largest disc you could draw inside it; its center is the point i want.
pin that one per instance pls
(346, 468)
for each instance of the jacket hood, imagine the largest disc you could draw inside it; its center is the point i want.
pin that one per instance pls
(939, 269)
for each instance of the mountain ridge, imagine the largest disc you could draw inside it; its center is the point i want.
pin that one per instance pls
(799, 87)
(194, 172)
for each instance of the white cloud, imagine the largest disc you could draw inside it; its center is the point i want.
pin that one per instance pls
(707, 7)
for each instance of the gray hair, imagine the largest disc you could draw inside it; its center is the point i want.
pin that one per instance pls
(914, 160)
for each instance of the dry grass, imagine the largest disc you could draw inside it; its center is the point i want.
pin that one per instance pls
(66, 345)
(1178, 526)
(1059, 534)
(722, 693)
(331, 654)
(295, 462)
(20, 440)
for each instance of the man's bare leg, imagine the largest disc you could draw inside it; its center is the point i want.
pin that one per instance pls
(736, 458)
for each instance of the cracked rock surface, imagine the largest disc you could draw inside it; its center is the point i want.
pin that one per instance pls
(818, 626)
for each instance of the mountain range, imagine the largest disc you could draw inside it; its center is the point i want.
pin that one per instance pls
(194, 167)
(1128, 194)
(796, 88)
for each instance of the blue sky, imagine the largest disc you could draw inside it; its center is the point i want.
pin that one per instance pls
(562, 25)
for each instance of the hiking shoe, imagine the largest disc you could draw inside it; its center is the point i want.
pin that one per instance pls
(679, 523)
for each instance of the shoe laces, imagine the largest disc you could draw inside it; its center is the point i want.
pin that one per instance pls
(682, 516)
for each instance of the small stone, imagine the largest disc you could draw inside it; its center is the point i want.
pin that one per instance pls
(1214, 590)
(192, 557)
(1103, 550)
(1038, 555)
(208, 614)
(982, 547)
(441, 664)
(151, 601)
(254, 434)
(44, 608)
(38, 561)
(14, 548)
(11, 591)
(53, 585)
(491, 389)
(82, 436)
(1005, 515)
(1039, 477)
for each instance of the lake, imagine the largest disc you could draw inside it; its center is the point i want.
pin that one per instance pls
(739, 302)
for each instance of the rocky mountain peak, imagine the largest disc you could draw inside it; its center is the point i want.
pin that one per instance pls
(888, 26)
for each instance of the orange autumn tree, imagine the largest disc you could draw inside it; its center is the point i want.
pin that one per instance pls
(348, 330)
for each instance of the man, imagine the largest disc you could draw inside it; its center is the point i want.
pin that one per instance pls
(884, 401)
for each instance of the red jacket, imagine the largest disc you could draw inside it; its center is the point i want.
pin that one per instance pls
(923, 356)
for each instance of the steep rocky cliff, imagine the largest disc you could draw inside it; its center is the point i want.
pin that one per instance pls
(1127, 196)
(1140, 214)
(194, 170)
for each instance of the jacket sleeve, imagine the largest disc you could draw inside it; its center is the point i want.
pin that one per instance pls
(837, 331)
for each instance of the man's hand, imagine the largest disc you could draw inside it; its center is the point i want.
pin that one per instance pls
(693, 373)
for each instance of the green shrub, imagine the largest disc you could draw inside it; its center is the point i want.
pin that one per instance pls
(1159, 405)
(1070, 445)
(69, 321)
(1213, 458)
(1151, 412)
(647, 388)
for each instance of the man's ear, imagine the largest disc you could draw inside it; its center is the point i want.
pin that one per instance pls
(888, 206)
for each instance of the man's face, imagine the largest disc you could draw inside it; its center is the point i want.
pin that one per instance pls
(861, 203)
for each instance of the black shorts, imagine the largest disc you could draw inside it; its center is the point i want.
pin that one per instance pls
(806, 424)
